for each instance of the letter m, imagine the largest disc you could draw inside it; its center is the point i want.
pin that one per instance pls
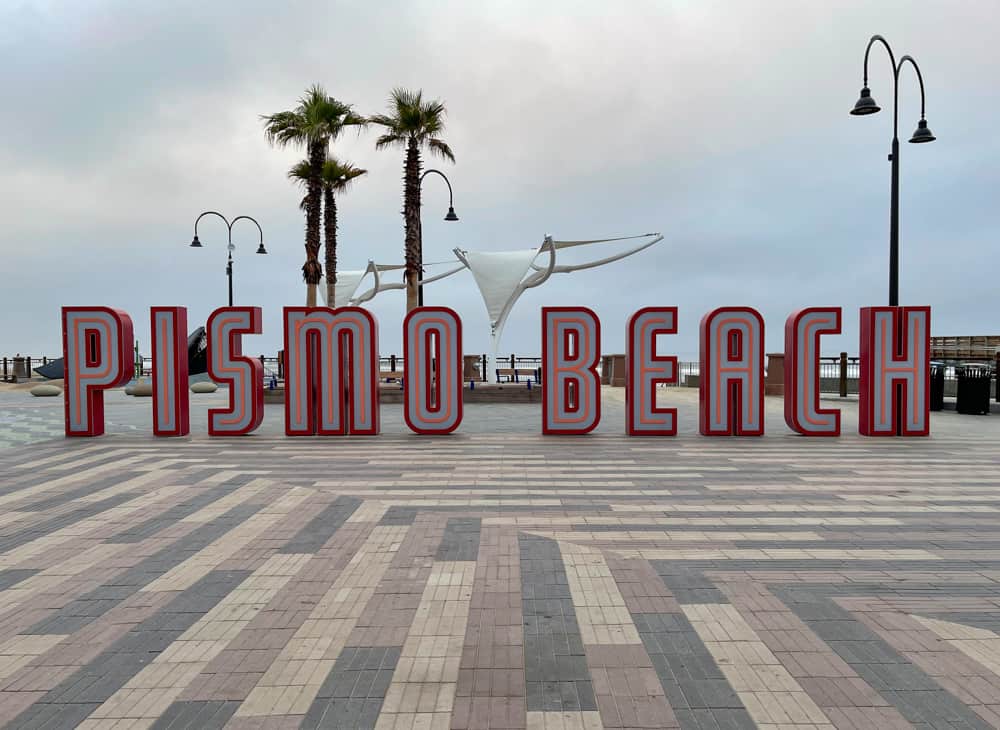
(331, 371)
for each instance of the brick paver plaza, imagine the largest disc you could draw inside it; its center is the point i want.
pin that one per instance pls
(496, 578)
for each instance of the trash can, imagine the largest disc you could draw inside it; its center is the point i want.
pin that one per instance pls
(973, 389)
(937, 386)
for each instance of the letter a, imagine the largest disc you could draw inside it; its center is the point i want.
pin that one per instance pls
(731, 376)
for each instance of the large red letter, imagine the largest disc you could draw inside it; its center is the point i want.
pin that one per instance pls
(244, 375)
(895, 371)
(571, 387)
(646, 369)
(433, 398)
(731, 381)
(802, 332)
(171, 412)
(97, 355)
(330, 352)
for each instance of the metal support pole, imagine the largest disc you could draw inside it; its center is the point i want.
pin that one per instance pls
(843, 375)
(894, 228)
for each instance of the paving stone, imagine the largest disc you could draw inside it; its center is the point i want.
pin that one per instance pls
(321, 528)
(815, 561)
(95, 682)
(460, 540)
(81, 611)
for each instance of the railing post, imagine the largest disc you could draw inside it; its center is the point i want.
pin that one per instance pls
(843, 375)
(996, 371)
(5, 369)
(484, 365)
(281, 364)
(512, 361)
(28, 375)
(392, 363)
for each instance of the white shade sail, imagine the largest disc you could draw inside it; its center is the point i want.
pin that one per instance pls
(502, 276)
(498, 274)
(347, 285)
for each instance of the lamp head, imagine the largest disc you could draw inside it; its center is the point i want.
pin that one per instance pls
(922, 134)
(196, 243)
(451, 214)
(261, 249)
(865, 103)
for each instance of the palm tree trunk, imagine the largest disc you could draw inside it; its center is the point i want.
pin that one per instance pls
(312, 271)
(411, 217)
(330, 233)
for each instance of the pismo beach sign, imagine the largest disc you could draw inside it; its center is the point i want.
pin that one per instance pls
(331, 370)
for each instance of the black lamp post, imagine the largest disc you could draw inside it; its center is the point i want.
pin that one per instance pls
(420, 231)
(195, 243)
(866, 105)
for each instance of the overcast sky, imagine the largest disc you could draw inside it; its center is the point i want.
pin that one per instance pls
(724, 125)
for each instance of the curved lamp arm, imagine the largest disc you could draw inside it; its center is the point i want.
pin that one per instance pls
(210, 212)
(451, 201)
(920, 78)
(868, 48)
(895, 79)
(253, 220)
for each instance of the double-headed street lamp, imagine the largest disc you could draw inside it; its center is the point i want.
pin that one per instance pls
(866, 105)
(420, 230)
(230, 248)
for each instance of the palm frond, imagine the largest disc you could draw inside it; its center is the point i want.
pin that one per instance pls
(300, 172)
(402, 98)
(338, 174)
(441, 148)
(412, 118)
(389, 140)
(283, 128)
(383, 120)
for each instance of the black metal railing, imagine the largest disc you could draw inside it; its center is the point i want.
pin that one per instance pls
(21, 367)
(838, 374)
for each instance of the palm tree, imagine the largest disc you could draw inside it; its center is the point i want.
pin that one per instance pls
(336, 178)
(313, 124)
(414, 124)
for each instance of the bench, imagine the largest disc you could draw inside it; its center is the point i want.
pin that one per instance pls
(515, 374)
(390, 376)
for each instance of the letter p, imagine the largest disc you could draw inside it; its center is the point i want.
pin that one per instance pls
(97, 355)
